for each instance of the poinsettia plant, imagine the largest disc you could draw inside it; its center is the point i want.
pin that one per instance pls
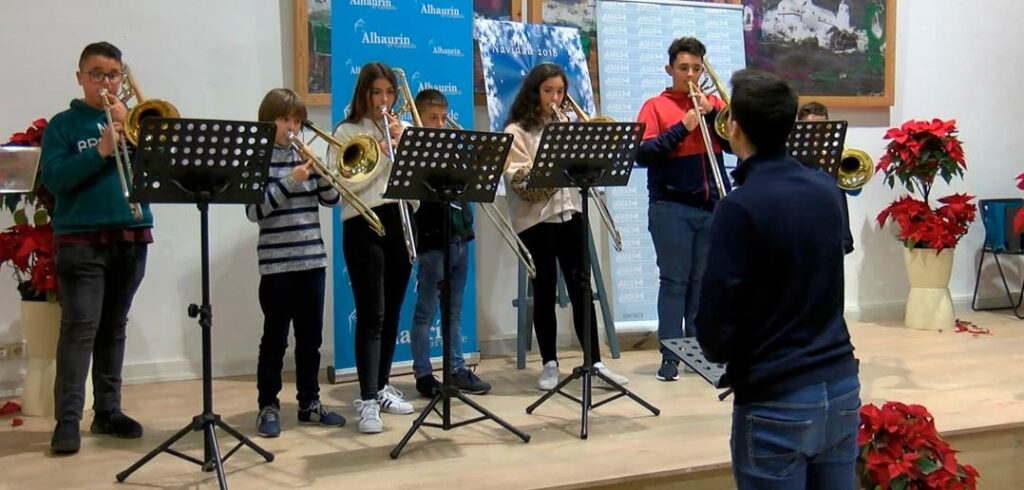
(901, 449)
(27, 246)
(1018, 219)
(917, 153)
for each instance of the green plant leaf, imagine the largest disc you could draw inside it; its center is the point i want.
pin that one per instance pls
(19, 217)
(40, 217)
(926, 465)
(898, 483)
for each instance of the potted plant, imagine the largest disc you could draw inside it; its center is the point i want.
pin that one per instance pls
(26, 247)
(919, 151)
(900, 449)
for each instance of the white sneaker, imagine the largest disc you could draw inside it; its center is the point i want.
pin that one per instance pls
(548, 376)
(393, 402)
(601, 383)
(369, 416)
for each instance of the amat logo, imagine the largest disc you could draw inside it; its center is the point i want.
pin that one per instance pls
(449, 12)
(649, 31)
(684, 21)
(616, 42)
(615, 29)
(616, 67)
(716, 23)
(616, 17)
(617, 94)
(649, 44)
(616, 81)
(617, 54)
(374, 4)
(648, 19)
(443, 51)
(717, 35)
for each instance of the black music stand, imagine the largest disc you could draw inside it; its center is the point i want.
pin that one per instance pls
(818, 144)
(445, 165)
(202, 161)
(688, 351)
(584, 155)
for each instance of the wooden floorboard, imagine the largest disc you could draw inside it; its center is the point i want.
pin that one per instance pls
(973, 385)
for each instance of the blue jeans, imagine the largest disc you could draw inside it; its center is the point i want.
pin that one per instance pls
(431, 273)
(803, 439)
(681, 236)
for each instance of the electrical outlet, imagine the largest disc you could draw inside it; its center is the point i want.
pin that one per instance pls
(16, 350)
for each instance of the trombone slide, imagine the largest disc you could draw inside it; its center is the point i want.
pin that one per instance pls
(706, 136)
(122, 159)
(510, 237)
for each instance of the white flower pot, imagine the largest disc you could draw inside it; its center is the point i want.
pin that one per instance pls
(40, 322)
(929, 304)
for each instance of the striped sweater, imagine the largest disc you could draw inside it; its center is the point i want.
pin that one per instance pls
(289, 218)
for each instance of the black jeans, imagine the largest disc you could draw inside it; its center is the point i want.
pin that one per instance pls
(379, 269)
(295, 298)
(97, 284)
(547, 242)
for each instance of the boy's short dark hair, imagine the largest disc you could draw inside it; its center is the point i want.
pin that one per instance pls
(102, 48)
(690, 45)
(812, 109)
(430, 98)
(764, 105)
(281, 102)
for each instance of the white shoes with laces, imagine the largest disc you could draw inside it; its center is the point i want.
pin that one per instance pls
(393, 401)
(548, 376)
(369, 416)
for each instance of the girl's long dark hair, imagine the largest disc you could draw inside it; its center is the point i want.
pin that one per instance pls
(360, 105)
(525, 109)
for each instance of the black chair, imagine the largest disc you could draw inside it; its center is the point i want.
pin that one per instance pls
(1000, 239)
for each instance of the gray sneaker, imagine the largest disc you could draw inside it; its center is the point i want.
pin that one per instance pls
(617, 378)
(548, 376)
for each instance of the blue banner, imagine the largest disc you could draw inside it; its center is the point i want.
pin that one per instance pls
(431, 40)
(508, 50)
(632, 54)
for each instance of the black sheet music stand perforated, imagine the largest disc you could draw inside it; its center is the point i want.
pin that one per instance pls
(584, 155)
(445, 165)
(202, 161)
(688, 351)
(818, 144)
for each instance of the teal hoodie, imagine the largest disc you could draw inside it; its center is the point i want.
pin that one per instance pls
(86, 186)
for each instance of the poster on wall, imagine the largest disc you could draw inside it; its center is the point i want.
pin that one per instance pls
(509, 50)
(432, 43)
(633, 53)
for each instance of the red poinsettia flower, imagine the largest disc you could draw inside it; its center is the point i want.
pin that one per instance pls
(921, 226)
(900, 448)
(33, 136)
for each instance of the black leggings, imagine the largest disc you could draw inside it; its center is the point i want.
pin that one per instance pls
(378, 268)
(547, 242)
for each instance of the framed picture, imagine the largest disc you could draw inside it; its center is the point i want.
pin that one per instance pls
(573, 13)
(837, 52)
(313, 51)
(508, 10)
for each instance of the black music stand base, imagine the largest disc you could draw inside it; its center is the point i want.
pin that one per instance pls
(208, 420)
(587, 371)
(446, 186)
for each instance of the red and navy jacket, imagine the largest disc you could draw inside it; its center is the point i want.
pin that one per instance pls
(677, 164)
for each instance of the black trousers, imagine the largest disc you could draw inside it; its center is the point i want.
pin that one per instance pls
(546, 243)
(97, 284)
(379, 269)
(291, 298)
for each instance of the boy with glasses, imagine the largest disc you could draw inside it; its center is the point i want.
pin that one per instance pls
(100, 251)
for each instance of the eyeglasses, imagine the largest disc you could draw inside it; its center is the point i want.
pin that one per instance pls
(98, 76)
(689, 68)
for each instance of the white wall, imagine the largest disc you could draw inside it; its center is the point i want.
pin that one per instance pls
(217, 59)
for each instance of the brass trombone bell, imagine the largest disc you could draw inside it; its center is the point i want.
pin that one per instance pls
(855, 169)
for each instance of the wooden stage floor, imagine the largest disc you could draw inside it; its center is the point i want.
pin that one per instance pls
(973, 385)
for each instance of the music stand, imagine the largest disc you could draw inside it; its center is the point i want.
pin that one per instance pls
(445, 165)
(584, 155)
(202, 162)
(688, 351)
(818, 144)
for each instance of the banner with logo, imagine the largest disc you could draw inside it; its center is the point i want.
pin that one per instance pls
(508, 50)
(632, 54)
(431, 40)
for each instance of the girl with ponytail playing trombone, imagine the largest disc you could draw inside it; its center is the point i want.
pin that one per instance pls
(379, 266)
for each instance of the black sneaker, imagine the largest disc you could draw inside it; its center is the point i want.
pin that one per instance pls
(669, 371)
(66, 439)
(317, 413)
(428, 386)
(268, 422)
(116, 424)
(467, 382)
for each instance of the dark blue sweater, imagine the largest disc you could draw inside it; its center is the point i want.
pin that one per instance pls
(771, 302)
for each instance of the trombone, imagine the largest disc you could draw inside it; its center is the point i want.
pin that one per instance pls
(328, 174)
(706, 136)
(122, 159)
(602, 209)
(504, 227)
(410, 105)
